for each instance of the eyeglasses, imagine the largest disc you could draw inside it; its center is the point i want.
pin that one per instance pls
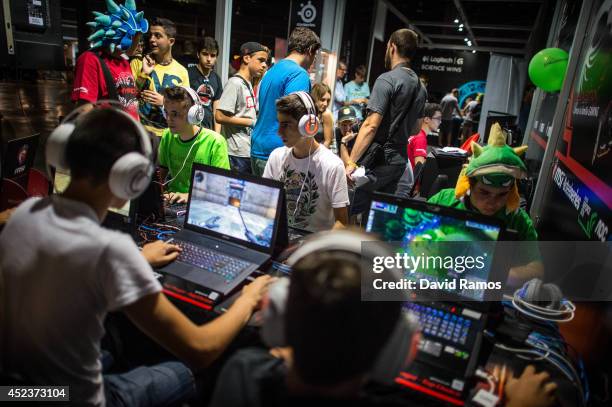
(438, 118)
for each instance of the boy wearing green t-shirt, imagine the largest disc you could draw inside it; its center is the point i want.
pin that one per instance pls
(488, 186)
(183, 143)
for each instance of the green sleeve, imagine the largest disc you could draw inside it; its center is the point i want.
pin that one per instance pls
(220, 158)
(446, 197)
(163, 149)
(521, 222)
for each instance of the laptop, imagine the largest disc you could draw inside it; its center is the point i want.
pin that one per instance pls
(451, 329)
(230, 228)
(19, 156)
(122, 219)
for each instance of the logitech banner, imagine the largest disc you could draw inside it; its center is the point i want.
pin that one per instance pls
(448, 69)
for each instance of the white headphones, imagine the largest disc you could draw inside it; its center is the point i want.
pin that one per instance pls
(130, 174)
(394, 356)
(308, 126)
(195, 115)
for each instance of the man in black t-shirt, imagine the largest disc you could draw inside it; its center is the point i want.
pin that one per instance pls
(396, 103)
(206, 82)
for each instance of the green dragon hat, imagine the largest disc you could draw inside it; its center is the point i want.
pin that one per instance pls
(116, 28)
(496, 164)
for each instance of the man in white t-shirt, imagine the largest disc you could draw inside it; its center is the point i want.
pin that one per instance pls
(62, 273)
(315, 183)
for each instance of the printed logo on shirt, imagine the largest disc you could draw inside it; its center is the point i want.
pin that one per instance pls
(206, 93)
(126, 91)
(82, 89)
(250, 102)
(308, 198)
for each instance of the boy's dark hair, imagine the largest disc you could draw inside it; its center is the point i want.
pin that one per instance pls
(303, 40)
(361, 70)
(101, 136)
(177, 93)
(430, 109)
(406, 42)
(168, 26)
(291, 105)
(334, 335)
(208, 44)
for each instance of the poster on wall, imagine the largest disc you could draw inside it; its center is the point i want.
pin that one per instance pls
(447, 69)
(583, 174)
(306, 13)
(542, 122)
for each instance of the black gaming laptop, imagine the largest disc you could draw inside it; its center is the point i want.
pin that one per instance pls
(230, 228)
(451, 329)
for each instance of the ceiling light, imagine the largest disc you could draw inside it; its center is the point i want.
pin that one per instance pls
(465, 39)
(456, 21)
(470, 43)
(473, 51)
(460, 25)
(460, 29)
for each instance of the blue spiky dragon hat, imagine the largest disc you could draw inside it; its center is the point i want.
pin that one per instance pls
(116, 28)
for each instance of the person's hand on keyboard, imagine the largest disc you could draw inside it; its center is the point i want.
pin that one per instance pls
(531, 389)
(176, 197)
(254, 292)
(160, 253)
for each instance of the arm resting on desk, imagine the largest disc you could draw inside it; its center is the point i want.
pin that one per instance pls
(521, 274)
(198, 346)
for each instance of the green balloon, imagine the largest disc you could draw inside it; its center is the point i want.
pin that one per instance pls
(547, 69)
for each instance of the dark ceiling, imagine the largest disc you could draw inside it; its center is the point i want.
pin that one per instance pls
(504, 26)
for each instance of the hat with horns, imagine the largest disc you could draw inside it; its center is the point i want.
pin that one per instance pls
(116, 28)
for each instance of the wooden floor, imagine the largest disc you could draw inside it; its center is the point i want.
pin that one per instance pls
(33, 107)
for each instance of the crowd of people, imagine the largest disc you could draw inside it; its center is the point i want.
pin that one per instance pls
(265, 121)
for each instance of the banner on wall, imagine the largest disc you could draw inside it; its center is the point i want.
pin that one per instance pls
(448, 69)
(306, 13)
(583, 174)
(546, 105)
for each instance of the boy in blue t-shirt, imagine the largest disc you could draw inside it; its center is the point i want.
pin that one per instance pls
(287, 76)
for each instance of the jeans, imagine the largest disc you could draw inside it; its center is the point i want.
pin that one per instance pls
(383, 178)
(164, 384)
(258, 166)
(240, 164)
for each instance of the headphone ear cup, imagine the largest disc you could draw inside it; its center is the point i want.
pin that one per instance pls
(55, 149)
(554, 294)
(308, 125)
(273, 328)
(195, 115)
(531, 290)
(130, 176)
(395, 354)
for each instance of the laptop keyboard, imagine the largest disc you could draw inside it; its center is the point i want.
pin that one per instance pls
(225, 266)
(441, 324)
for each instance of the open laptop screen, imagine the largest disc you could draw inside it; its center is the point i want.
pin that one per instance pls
(411, 223)
(231, 205)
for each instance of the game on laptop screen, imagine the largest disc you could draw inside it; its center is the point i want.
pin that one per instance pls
(420, 232)
(233, 207)
(61, 181)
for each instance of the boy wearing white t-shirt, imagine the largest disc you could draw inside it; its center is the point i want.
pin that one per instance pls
(315, 183)
(62, 273)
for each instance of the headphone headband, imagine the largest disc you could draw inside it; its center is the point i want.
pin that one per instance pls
(194, 96)
(307, 102)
